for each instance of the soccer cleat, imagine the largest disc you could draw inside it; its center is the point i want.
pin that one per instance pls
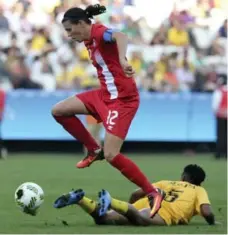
(71, 198)
(90, 158)
(104, 202)
(155, 201)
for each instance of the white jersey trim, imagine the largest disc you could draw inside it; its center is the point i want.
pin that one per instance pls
(108, 77)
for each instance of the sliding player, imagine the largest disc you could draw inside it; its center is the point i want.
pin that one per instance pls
(184, 199)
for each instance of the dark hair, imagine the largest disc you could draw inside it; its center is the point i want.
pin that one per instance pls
(75, 14)
(195, 173)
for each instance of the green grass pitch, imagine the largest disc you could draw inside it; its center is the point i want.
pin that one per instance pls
(57, 174)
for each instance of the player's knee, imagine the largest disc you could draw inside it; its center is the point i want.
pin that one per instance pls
(109, 155)
(60, 109)
(56, 110)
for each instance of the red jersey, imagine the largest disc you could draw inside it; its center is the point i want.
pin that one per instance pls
(105, 57)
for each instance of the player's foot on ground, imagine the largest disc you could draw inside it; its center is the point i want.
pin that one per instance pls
(90, 158)
(104, 202)
(70, 198)
(155, 201)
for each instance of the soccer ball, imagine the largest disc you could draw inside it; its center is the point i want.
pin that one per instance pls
(29, 197)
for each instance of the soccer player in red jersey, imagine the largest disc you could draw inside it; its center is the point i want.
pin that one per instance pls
(115, 103)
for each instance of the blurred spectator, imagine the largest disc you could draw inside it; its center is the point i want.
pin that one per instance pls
(190, 37)
(18, 71)
(161, 65)
(5, 82)
(13, 54)
(115, 22)
(158, 72)
(201, 9)
(186, 58)
(70, 76)
(131, 28)
(4, 23)
(200, 71)
(216, 48)
(170, 80)
(219, 105)
(186, 18)
(185, 77)
(160, 37)
(41, 41)
(178, 35)
(173, 61)
(139, 66)
(42, 72)
(21, 75)
(29, 53)
(116, 7)
(211, 79)
(223, 30)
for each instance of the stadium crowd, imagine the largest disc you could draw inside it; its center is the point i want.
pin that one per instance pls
(180, 48)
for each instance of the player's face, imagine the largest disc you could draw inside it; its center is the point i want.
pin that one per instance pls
(74, 31)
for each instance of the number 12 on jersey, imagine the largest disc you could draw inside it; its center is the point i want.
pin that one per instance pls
(112, 115)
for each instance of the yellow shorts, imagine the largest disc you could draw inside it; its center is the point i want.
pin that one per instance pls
(143, 203)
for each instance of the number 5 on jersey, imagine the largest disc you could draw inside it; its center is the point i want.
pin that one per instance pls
(112, 115)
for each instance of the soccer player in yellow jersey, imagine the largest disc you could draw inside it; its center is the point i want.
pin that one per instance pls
(184, 199)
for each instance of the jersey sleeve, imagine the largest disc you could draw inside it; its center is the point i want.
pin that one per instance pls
(107, 36)
(98, 33)
(202, 198)
(103, 34)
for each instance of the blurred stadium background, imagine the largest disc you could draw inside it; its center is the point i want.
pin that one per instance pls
(178, 50)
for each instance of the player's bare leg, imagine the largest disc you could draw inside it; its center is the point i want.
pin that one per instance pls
(95, 130)
(91, 207)
(64, 113)
(130, 170)
(141, 218)
(69, 107)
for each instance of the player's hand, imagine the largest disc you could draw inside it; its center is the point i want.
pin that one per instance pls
(127, 68)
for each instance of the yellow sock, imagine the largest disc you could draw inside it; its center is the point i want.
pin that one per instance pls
(88, 205)
(119, 206)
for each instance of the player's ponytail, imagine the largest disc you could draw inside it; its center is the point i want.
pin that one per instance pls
(94, 10)
(75, 14)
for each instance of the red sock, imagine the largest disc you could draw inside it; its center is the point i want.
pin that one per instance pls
(74, 126)
(131, 171)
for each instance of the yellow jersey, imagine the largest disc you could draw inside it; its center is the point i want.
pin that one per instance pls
(178, 38)
(181, 203)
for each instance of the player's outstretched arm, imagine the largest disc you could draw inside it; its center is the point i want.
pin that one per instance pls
(136, 195)
(207, 213)
(122, 40)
